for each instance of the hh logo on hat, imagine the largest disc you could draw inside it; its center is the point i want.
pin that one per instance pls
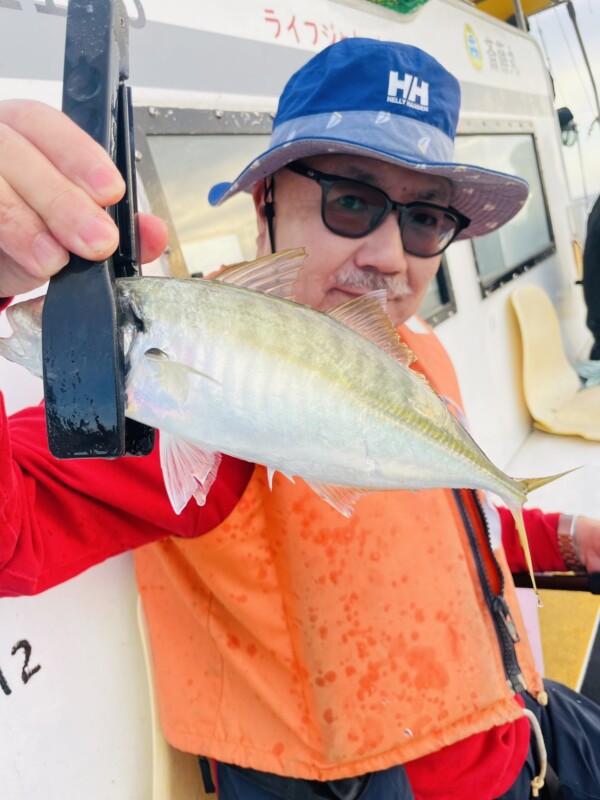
(415, 94)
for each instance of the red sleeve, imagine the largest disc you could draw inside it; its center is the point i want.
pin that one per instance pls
(57, 518)
(543, 541)
(483, 765)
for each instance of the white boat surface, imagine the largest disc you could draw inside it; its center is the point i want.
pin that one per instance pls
(205, 80)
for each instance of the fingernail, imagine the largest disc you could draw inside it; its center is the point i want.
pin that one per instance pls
(105, 180)
(48, 253)
(98, 232)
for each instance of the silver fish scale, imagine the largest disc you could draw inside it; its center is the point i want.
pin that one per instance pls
(280, 384)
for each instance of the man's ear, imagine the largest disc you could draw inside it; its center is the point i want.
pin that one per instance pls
(263, 243)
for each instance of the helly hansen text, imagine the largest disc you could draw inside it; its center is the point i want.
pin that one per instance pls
(415, 93)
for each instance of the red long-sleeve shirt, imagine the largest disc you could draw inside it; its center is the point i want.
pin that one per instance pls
(60, 517)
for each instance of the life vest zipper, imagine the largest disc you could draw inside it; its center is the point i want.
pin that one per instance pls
(491, 579)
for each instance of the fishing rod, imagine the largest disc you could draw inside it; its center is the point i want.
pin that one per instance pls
(573, 17)
(83, 361)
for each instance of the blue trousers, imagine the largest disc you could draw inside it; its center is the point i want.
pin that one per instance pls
(242, 784)
(570, 725)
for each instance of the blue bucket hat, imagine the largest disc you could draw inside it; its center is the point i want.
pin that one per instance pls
(388, 101)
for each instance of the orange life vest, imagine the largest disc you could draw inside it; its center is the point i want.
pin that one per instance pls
(295, 641)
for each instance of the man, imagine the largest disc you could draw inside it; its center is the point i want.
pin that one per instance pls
(308, 655)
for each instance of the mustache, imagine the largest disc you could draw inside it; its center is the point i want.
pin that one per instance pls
(370, 280)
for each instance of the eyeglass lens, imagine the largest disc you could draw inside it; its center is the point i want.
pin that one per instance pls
(355, 209)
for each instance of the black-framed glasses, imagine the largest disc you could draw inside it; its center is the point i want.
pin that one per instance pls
(354, 209)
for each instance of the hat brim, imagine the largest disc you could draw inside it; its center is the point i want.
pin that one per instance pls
(488, 198)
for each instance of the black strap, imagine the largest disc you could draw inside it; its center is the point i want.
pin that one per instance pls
(269, 184)
(207, 779)
(551, 790)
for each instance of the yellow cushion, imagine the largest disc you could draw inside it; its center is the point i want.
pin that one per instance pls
(551, 385)
(578, 256)
(568, 623)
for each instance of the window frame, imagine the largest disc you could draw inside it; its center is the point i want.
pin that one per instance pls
(447, 306)
(516, 128)
(166, 121)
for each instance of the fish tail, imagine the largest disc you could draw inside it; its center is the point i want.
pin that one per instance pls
(530, 484)
(7, 348)
(24, 345)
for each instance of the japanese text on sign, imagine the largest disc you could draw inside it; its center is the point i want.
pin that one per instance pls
(295, 28)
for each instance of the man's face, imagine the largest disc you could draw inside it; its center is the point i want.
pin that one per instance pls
(337, 268)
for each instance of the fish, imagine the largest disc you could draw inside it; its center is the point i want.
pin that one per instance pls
(234, 365)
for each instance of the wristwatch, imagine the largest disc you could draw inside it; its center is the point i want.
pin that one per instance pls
(567, 543)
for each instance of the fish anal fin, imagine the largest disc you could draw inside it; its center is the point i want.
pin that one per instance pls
(342, 498)
(188, 470)
(271, 473)
(368, 316)
(274, 274)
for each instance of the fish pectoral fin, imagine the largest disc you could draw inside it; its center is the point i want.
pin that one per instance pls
(342, 498)
(368, 316)
(173, 376)
(188, 470)
(274, 274)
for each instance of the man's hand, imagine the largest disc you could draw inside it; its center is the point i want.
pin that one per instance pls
(55, 183)
(587, 540)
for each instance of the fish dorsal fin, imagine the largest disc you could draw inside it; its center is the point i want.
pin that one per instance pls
(274, 274)
(188, 470)
(368, 316)
(342, 498)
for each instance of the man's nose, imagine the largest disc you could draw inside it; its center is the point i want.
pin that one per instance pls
(383, 247)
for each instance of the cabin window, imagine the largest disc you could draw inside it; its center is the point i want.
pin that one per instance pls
(527, 239)
(438, 302)
(182, 154)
